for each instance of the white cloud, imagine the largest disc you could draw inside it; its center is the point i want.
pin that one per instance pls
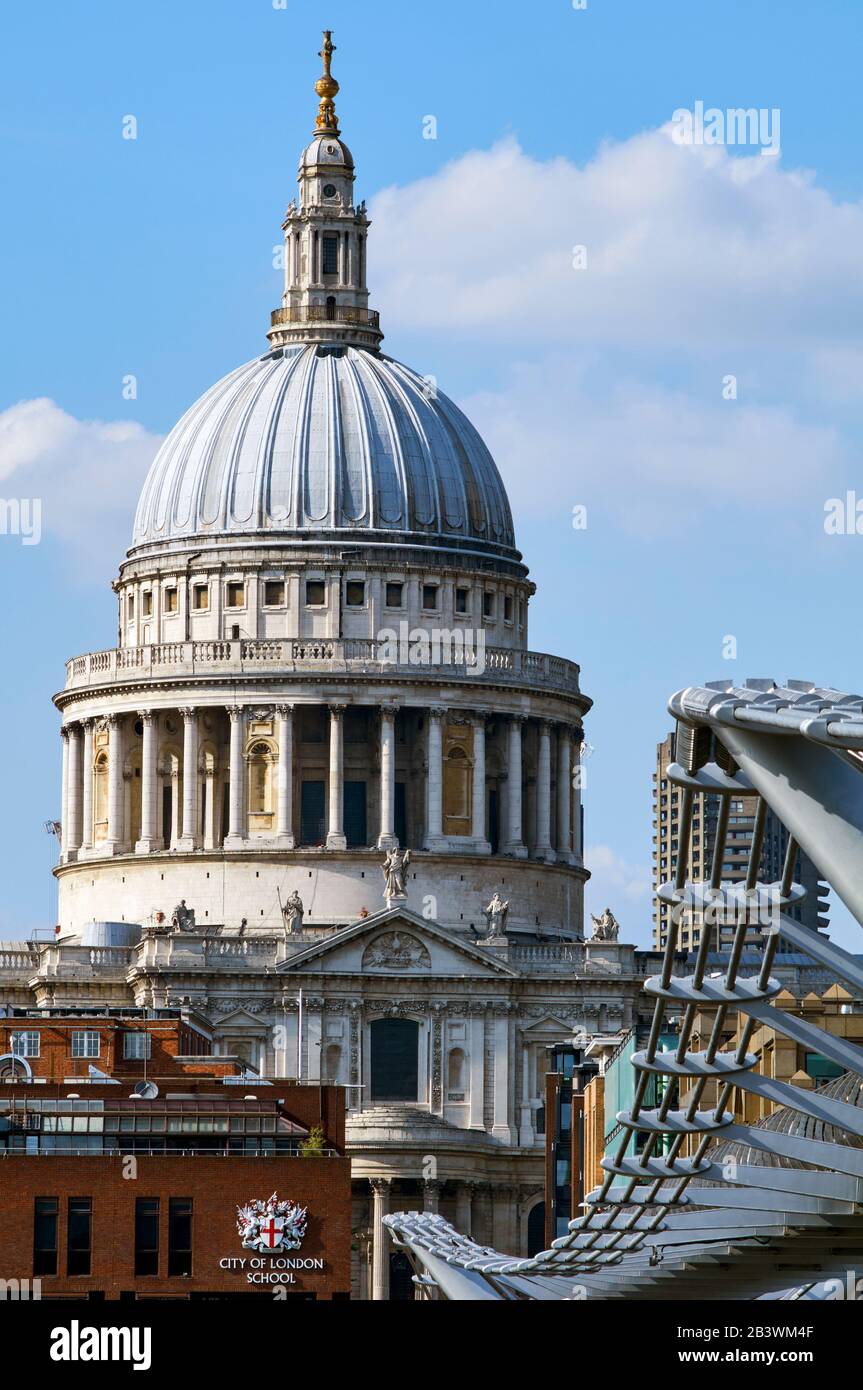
(87, 474)
(642, 454)
(686, 246)
(701, 264)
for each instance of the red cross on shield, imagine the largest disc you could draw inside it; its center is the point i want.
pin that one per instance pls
(271, 1232)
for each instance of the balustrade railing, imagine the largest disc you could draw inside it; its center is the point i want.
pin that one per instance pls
(354, 655)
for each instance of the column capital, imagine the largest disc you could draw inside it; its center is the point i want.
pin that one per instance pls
(381, 1186)
(284, 711)
(388, 709)
(519, 719)
(236, 712)
(87, 724)
(65, 732)
(113, 719)
(336, 710)
(436, 711)
(545, 725)
(189, 712)
(145, 715)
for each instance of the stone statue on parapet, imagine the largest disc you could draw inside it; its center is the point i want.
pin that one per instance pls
(606, 927)
(292, 914)
(495, 915)
(394, 870)
(183, 918)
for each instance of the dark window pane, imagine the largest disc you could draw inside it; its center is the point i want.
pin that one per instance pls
(331, 253)
(79, 1235)
(179, 1235)
(45, 1235)
(147, 1235)
(395, 1053)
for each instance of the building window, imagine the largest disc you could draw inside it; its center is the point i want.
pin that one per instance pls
(507, 608)
(456, 1075)
(462, 597)
(430, 597)
(330, 258)
(274, 593)
(260, 779)
(148, 603)
(137, 1046)
(25, 1044)
(200, 597)
(394, 1059)
(355, 593)
(235, 594)
(85, 1044)
(394, 595)
(315, 593)
(170, 600)
(146, 1235)
(79, 1235)
(131, 607)
(488, 604)
(45, 1235)
(179, 1235)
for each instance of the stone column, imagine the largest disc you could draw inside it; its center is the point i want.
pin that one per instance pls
(543, 793)
(381, 1244)
(387, 836)
(149, 840)
(503, 1222)
(335, 817)
(463, 1208)
(87, 798)
(434, 781)
(116, 798)
(190, 835)
(72, 809)
(431, 1194)
(514, 839)
(578, 771)
(526, 1131)
(500, 1125)
(237, 799)
(482, 1228)
(478, 815)
(211, 783)
(64, 787)
(564, 795)
(285, 803)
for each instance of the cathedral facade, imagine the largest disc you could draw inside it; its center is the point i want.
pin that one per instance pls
(322, 792)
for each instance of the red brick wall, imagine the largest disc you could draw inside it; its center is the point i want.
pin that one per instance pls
(217, 1186)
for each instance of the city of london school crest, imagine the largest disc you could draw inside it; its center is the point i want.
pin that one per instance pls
(272, 1225)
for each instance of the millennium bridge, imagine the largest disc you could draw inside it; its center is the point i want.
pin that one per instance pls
(704, 1207)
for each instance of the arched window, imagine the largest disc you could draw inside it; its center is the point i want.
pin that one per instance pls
(536, 1229)
(100, 796)
(457, 792)
(331, 307)
(260, 759)
(456, 1075)
(395, 1059)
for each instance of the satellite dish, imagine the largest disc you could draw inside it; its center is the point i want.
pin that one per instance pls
(145, 1090)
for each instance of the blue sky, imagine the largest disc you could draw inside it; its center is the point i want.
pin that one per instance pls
(599, 387)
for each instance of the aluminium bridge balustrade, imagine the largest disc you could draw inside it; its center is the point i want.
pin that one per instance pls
(709, 1207)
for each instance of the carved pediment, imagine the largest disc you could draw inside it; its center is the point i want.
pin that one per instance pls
(396, 951)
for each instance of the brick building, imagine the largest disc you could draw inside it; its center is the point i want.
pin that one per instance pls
(120, 1188)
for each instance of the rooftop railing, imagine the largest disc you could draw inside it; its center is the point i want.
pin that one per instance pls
(323, 313)
(355, 656)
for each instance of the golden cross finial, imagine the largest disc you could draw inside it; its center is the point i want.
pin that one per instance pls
(326, 88)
